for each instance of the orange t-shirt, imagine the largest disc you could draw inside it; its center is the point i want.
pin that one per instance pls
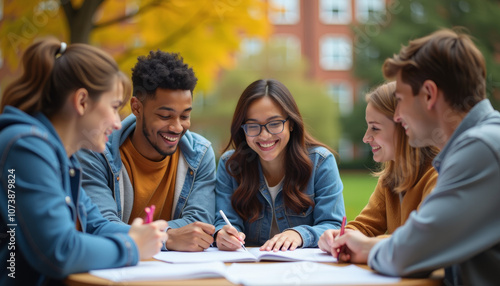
(153, 182)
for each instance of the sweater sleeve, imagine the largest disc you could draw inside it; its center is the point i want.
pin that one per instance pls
(372, 221)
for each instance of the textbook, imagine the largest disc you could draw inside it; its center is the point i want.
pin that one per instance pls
(240, 255)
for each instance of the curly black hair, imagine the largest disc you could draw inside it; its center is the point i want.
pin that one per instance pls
(161, 70)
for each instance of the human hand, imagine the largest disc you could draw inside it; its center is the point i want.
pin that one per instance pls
(196, 236)
(287, 240)
(228, 238)
(357, 246)
(148, 237)
(326, 240)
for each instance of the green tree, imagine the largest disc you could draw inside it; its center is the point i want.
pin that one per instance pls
(405, 20)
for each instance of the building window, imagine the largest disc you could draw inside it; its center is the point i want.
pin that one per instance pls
(342, 94)
(418, 13)
(284, 12)
(346, 149)
(287, 49)
(368, 11)
(251, 47)
(335, 11)
(336, 53)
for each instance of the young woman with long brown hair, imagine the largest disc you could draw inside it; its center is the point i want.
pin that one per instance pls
(280, 188)
(67, 97)
(406, 174)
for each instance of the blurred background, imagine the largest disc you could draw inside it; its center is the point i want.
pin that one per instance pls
(329, 53)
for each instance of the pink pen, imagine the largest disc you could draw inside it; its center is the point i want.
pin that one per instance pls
(342, 229)
(149, 213)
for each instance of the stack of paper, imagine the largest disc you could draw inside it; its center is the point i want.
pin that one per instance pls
(303, 273)
(157, 270)
(209, 264)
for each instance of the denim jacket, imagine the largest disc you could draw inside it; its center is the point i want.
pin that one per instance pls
(41, 198)
(324, 187)
(107, 183)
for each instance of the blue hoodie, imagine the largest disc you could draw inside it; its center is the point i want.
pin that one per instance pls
(41, 198)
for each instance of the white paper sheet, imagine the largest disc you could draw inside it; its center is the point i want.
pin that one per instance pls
(302, 273)
(253, 254)
(157, 270)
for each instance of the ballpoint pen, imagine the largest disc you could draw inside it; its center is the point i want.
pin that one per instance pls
(342, 229)
(229, 223)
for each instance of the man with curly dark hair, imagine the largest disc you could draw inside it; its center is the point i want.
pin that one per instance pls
(155, 160)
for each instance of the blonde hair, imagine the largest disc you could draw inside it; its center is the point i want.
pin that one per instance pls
(410, 163)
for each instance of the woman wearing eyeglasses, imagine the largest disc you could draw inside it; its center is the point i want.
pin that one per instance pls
(279, 188)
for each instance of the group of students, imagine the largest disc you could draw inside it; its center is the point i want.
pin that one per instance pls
(79, 179)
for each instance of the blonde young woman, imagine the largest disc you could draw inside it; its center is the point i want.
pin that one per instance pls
(406, 176)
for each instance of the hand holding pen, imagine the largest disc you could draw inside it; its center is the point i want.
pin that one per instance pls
(342, 230)
(148, 235)
(149, 214)
(225, 240)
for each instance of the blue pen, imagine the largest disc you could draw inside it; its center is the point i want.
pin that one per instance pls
(229, 223)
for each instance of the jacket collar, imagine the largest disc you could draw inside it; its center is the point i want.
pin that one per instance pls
(190, 145)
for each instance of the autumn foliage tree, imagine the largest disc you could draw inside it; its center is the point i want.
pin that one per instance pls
(205, 32)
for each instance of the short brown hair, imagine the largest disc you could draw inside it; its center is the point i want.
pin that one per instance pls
(447, 57)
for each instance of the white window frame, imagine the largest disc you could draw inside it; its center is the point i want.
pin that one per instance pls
(292, 48)
(363, 8)
(327, 16)
(335, 52)
(251, 47)
(290, 14)
(341, 92)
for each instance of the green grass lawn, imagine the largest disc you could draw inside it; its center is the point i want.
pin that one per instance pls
(358, 186)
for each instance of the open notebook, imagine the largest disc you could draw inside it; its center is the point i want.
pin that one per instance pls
(268, 274)
(252, 255)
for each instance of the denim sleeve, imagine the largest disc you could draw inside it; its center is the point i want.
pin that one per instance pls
(224, 189)
(329, 202)
(45, 234)
(456, 222)
(96, 178)
(200, 205)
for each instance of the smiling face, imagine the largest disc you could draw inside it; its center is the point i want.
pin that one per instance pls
(380, 134)
(103, 118)
(269, 147)
(413, 115)
(161, 122)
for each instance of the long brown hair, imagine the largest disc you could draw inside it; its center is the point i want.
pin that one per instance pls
(410, 163)
(243, 165)
(51, 73)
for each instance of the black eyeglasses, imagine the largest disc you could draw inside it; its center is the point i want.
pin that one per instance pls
(272, 127)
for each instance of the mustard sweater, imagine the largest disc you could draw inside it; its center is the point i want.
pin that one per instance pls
(387, 210)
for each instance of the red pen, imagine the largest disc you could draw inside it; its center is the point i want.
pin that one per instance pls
(149, 213)
(342, 229)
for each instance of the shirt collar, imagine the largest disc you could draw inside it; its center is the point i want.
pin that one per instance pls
(475, 115)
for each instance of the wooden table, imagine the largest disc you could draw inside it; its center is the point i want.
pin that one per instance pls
(85, 279)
